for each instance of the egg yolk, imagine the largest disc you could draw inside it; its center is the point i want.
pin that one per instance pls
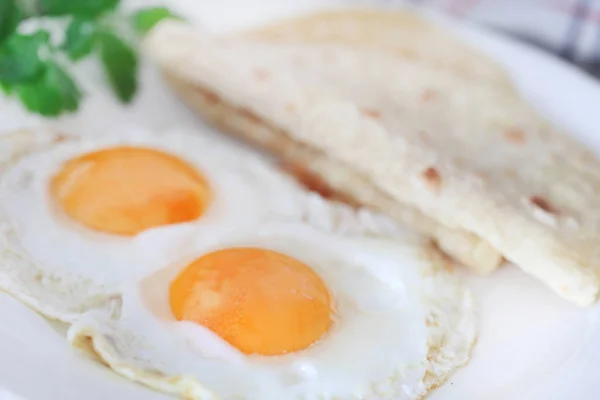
(126, 190)
(260, 301)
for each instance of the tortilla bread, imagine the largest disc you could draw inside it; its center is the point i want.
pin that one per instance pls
(473, 157)
(419, 41)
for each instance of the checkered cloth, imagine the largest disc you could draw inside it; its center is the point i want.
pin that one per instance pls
(569, 28)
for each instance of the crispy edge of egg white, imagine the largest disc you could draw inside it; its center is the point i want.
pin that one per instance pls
(20, 277)
(450, 322)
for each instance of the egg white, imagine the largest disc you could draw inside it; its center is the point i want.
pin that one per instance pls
(402, 324)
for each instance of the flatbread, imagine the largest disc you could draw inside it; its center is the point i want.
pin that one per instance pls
(419, 42)
(471, 156)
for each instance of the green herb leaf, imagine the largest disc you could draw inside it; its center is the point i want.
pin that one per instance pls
(28, 62)
(121, 64)
(10, 16)
(87, 8)
(70, 94)
(51, 95)
(20, 57)
(145, 19)
(80, 38)
(6, 88)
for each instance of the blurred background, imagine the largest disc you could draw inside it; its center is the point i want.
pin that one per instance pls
(568, 28)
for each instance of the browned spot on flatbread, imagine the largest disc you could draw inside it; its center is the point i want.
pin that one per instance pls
(407, 53)
(542, 203)
(61, 137)
(460, 162)
(250, 115)
(315, 183)
(443, 259)
(484, 176)
(290, 108)
(261, 74)
(211, 98)
(429, 95)
(424, 137)
(515, 136)
(371, 112)
(432, 178)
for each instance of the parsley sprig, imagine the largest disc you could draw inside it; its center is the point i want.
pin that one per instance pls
(34, 68)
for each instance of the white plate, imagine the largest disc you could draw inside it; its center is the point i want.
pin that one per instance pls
(532, 344)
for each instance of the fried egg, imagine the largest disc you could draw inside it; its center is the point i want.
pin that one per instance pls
(287, 311)
(230, 274)
(93, 213)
